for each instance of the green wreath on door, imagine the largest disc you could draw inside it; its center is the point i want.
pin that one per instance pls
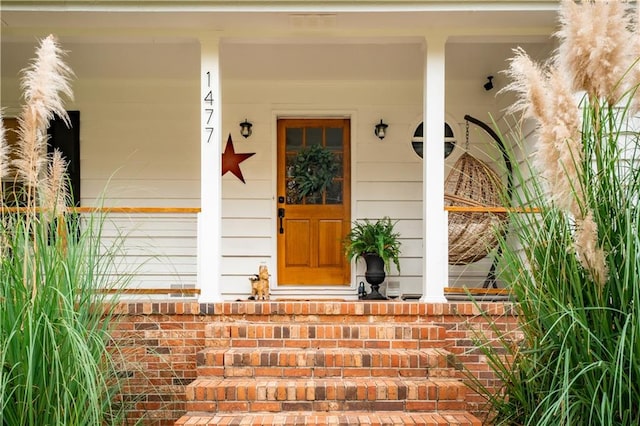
(313, 170)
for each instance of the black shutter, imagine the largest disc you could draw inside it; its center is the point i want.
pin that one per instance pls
(67, 141)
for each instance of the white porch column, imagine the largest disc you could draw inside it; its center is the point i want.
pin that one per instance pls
(435, 247)
(209, 219)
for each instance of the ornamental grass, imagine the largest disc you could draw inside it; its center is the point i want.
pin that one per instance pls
(54, 329)
(574, 268)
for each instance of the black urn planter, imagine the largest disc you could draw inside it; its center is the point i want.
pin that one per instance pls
(374, 275)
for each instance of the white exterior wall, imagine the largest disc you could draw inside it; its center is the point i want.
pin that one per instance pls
(386, 175)
(140, 148)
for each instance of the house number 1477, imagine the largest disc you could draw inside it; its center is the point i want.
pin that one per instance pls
(208, 108)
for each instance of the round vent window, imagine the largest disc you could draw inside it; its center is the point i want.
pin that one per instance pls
(417, 141)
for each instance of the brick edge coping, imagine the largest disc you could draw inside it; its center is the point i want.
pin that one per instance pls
(312, 307)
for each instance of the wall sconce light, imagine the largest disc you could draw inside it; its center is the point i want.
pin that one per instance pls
(245, 128)
(489, 84)
(381, 130)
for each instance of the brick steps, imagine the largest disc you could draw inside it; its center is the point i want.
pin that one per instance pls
(324, 362)
(390, 418)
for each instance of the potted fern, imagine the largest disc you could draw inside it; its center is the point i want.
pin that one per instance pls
(378, 244)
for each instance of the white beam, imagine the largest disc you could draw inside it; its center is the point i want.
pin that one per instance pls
(435, 248)
(209, 219)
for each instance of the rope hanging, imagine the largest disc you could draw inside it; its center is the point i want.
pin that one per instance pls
(472, 183)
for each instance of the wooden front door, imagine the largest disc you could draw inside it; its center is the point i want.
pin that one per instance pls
(312, 226)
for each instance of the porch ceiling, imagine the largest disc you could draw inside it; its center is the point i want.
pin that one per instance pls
(325, 40)
(277, 61)
(374, 61)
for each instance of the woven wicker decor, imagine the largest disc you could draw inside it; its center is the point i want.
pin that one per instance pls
(472, 183)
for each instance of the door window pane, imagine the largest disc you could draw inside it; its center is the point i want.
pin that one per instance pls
(315, 198)
(339, 162)
(314, 136)
(334, 193)
(293, 196)
(334, 138)
(294, 138)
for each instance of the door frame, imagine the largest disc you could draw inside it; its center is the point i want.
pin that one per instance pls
(328, 113)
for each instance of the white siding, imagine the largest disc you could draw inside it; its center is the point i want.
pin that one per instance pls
(386, 175)
(153, 250)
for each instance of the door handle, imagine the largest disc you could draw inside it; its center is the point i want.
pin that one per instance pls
(281, 216)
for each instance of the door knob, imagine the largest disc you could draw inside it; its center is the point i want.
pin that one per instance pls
(281, 216)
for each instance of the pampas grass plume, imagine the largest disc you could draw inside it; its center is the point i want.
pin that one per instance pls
(4, 152)
(56, 190)
(528, 81)
(44, 83)
(596, 46)
(544, 93)
(591, 256)
(563, 139)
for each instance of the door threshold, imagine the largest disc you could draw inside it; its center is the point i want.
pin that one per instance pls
(314, 293)
(308, 299)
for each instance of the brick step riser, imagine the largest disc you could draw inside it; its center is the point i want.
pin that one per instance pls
(335, 311)
(321, 366)
(323, 344)
(322, 372)
(230, 390)
(267, 332)
(306, 336)
(334, 419)
(320, 406)
(326, 358)
(320, 363)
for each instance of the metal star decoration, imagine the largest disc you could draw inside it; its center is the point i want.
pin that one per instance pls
(231, 161)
